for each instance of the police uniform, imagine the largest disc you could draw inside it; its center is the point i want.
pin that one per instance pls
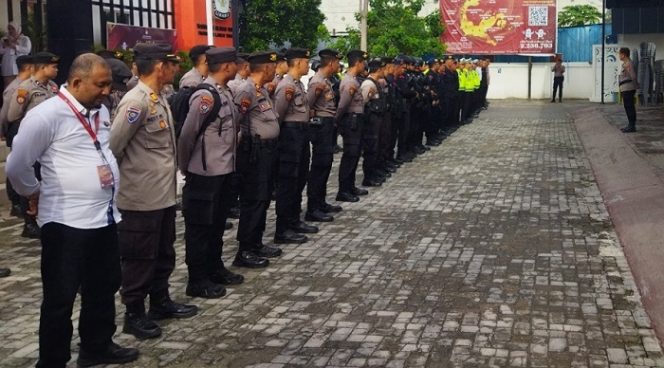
(405, 94)
(350, 118)
(133, 82)
(256, 159)
(239, 79)
(322, 135)
(374, 100)
(207, 156)
(451, 93)
(292, 107)
(30, 93)
(121, 75)
(143, 141)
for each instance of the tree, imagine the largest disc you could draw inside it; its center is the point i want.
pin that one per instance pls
(266, 22)
(395, 28)
(579, 15)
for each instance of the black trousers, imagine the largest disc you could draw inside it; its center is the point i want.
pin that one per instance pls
(72, 258)
(395, 121)
(385, 139)
(404, 132)
(148, 258)
(351, 131)
(417, 122)
(323, 139)
(292, 173)
(370, 134)
(206, 201)
(256, 171)
(630, 109)
(466, 112)
(557, 87)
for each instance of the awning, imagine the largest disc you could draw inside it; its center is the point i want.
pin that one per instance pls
(613, 4)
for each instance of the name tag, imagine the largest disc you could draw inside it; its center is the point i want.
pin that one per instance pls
(264, 106)
(105, 176)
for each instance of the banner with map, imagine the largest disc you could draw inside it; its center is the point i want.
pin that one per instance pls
(525, 27)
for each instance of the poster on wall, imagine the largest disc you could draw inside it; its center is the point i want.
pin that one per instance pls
(526, 27)
(612, 67)
(123, 37)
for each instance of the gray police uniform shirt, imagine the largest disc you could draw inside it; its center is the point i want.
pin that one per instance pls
(220, 136)
(350, 101)
(257, 110)
(236, 82)
(132, 82)
(6, 96)
(369, 91)
(143, 142)
(29, 94)
(627, 78)
(191, 79)
(321, 96)
(290, 101)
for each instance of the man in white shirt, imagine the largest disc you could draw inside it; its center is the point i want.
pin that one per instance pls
(75, 207)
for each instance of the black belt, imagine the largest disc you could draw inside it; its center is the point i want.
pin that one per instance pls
(625, 81)
(266, 143)
(325, 117)
(296, 125)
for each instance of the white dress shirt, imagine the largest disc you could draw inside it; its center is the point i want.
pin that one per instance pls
(70, 191)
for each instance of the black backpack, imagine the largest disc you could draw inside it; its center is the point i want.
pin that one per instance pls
(179, 104)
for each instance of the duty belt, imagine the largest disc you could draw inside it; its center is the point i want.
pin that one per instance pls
(295, 124)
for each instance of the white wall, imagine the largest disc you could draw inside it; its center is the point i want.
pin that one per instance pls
(510, 80)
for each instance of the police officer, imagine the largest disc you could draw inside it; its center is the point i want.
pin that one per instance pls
(322, 134)
(25, 67)
(206, 156)
(143, 141)
(256, 159)
(349, 119)
(404, 95)
(242, 71)
(30, 93)
(282, 69)
(199, 72)
(388, 132)
(451, 93)
(121, 74)
(374, 100)
(292, 106)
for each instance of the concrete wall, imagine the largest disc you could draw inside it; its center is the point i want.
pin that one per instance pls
(511, 81)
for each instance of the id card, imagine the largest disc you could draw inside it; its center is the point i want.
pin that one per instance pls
(105, 176)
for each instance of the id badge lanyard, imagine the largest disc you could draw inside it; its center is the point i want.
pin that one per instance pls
(87, 125)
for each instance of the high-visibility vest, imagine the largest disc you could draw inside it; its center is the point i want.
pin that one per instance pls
(463, 76)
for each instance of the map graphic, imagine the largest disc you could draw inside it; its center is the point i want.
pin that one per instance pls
(499, 26)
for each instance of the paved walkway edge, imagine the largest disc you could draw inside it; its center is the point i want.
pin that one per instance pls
(634, 196)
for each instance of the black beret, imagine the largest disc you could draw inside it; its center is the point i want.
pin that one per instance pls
(357, 55)
(155, 51)
(23, 60)
(400, 60)
(376, 63)
(198, 50)
(297, 53)
(264, 57)
(45, 58)
(220, 55)
(329, 53)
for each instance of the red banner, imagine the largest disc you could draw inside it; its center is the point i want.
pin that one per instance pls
(123, 37)
(499, 26)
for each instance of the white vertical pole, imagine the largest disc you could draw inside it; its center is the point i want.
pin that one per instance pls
(364, 12)
(210, 24)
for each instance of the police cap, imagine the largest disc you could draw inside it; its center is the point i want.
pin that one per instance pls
(376, 63)
(197, 51)
(330, 54)
(400, 60)
(388, 60)
(297, 53)
(264, 57)
(23, 60)
(155, 51)
(221, 55)
(45, 57)
(242, 57)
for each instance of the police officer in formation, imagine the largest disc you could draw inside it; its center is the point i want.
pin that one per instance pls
(246, 122)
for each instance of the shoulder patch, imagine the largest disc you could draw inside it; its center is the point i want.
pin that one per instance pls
(206, 104)
(21, 95)
(319, 90)
(290, 91)
(352, 91)
(132, 115)
(244, 105)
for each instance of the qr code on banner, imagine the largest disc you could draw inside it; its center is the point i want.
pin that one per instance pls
(538, 16)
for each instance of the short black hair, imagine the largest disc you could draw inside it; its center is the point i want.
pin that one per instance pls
(326, 60)
(145, 66)
(625, 51)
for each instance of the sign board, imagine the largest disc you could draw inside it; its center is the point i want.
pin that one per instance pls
(222, 9)
(612, 68)
(499, 26)
(123, 37)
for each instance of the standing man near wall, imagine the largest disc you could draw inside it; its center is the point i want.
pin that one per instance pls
(558, 70)
(628, 85)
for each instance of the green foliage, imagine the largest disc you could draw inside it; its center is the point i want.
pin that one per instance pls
(394, 27)
(579, 15)
(269, 21)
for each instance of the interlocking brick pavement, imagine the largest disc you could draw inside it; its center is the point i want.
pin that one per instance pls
(492, 250)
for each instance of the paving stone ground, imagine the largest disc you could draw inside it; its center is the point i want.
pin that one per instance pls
(492, 250)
